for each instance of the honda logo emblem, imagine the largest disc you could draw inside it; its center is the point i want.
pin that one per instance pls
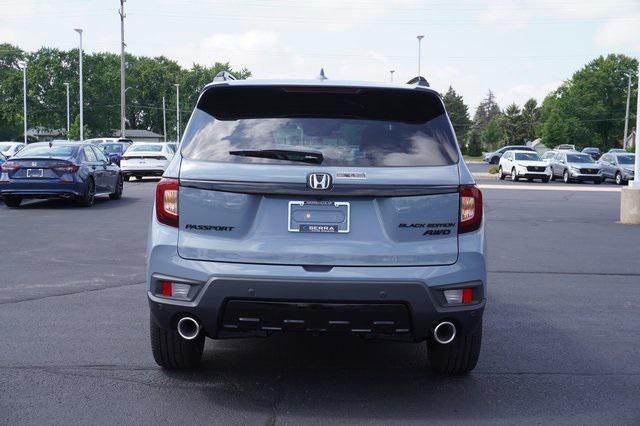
(319, 181)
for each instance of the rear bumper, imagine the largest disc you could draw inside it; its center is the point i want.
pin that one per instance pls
(132, 171)
(43, 189)
(368, 297)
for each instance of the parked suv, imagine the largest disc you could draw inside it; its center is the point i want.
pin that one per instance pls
(618, 167)
(317, 207)
(575, 167)
(523, 164)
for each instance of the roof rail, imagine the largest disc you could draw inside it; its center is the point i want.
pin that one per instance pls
(419, 80)
(224, 76)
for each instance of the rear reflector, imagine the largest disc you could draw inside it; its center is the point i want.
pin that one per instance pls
(470, 208)
(167, 202)
(174, 290)
(459, 296)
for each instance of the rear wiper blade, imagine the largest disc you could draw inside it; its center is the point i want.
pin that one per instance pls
(311, 157)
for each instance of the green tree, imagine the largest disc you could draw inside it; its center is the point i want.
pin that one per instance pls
(458, 114)
(530, 116)
(592, 102)
(486, 111)
(474, 145)
(74, 130)
(492, 136)
(10, 91)
(147, 80)
(511, 124)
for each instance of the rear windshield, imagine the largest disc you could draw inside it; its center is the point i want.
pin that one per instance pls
(112, 148)
(145, 148)
(348, 127)
(527, 156)
(44, 150)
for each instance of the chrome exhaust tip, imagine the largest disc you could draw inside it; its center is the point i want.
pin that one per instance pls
(188, 328)
(444, 332)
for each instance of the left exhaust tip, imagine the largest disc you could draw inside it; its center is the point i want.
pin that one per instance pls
(188, 328)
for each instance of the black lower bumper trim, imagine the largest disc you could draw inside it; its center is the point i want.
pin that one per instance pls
(270, 316)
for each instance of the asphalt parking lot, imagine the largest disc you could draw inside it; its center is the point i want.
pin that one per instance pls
(561, 328)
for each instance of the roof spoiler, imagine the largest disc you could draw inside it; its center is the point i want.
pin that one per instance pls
(419, 80)
(224, 76)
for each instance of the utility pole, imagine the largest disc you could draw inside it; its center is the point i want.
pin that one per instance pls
(67, 84)
(79, 31)
(626, 117)
(122, 80)
(177, 113)
(420, 37)
(391, 74)
(24, 98)
(164, 119)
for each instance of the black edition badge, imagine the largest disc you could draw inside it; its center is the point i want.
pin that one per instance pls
(216, 228)
(432, 228)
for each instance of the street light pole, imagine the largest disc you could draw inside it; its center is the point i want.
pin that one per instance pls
(79, 31)
(420, 37)
(391, 74)
(67, 84)
(177, 113)
(164, 119)
(626, 117)
(24, 98)
(122, 71)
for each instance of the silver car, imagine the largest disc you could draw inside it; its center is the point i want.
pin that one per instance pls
(618, 166)
(575, 167)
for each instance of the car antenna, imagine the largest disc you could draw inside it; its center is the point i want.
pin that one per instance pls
(50, 144)
(322, 76)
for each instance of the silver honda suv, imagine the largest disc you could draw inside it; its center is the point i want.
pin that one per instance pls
(317, 207)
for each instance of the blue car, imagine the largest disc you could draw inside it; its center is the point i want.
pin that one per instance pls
(114, 150)
(70, 170)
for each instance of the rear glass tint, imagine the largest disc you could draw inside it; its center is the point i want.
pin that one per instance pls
(44, 150)
(145, 148)
(348, 126)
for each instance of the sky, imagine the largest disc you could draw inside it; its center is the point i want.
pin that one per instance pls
(517, 48)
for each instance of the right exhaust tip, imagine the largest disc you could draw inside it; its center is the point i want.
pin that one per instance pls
(444, 332)
(188, 328)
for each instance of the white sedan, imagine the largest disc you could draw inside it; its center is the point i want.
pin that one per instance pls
(9, 149)
(145, 159)
(523, 164)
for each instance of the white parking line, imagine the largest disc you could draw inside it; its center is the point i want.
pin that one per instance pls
(551, 187)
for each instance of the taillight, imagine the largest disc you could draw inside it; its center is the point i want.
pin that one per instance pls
(65, 167)
(10, 166)
(167, 201)
(470, 208)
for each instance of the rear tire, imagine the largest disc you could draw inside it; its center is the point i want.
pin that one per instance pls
(459, 356)
(118, 192)
(12, 201)
(89, 197)
(171, 351)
